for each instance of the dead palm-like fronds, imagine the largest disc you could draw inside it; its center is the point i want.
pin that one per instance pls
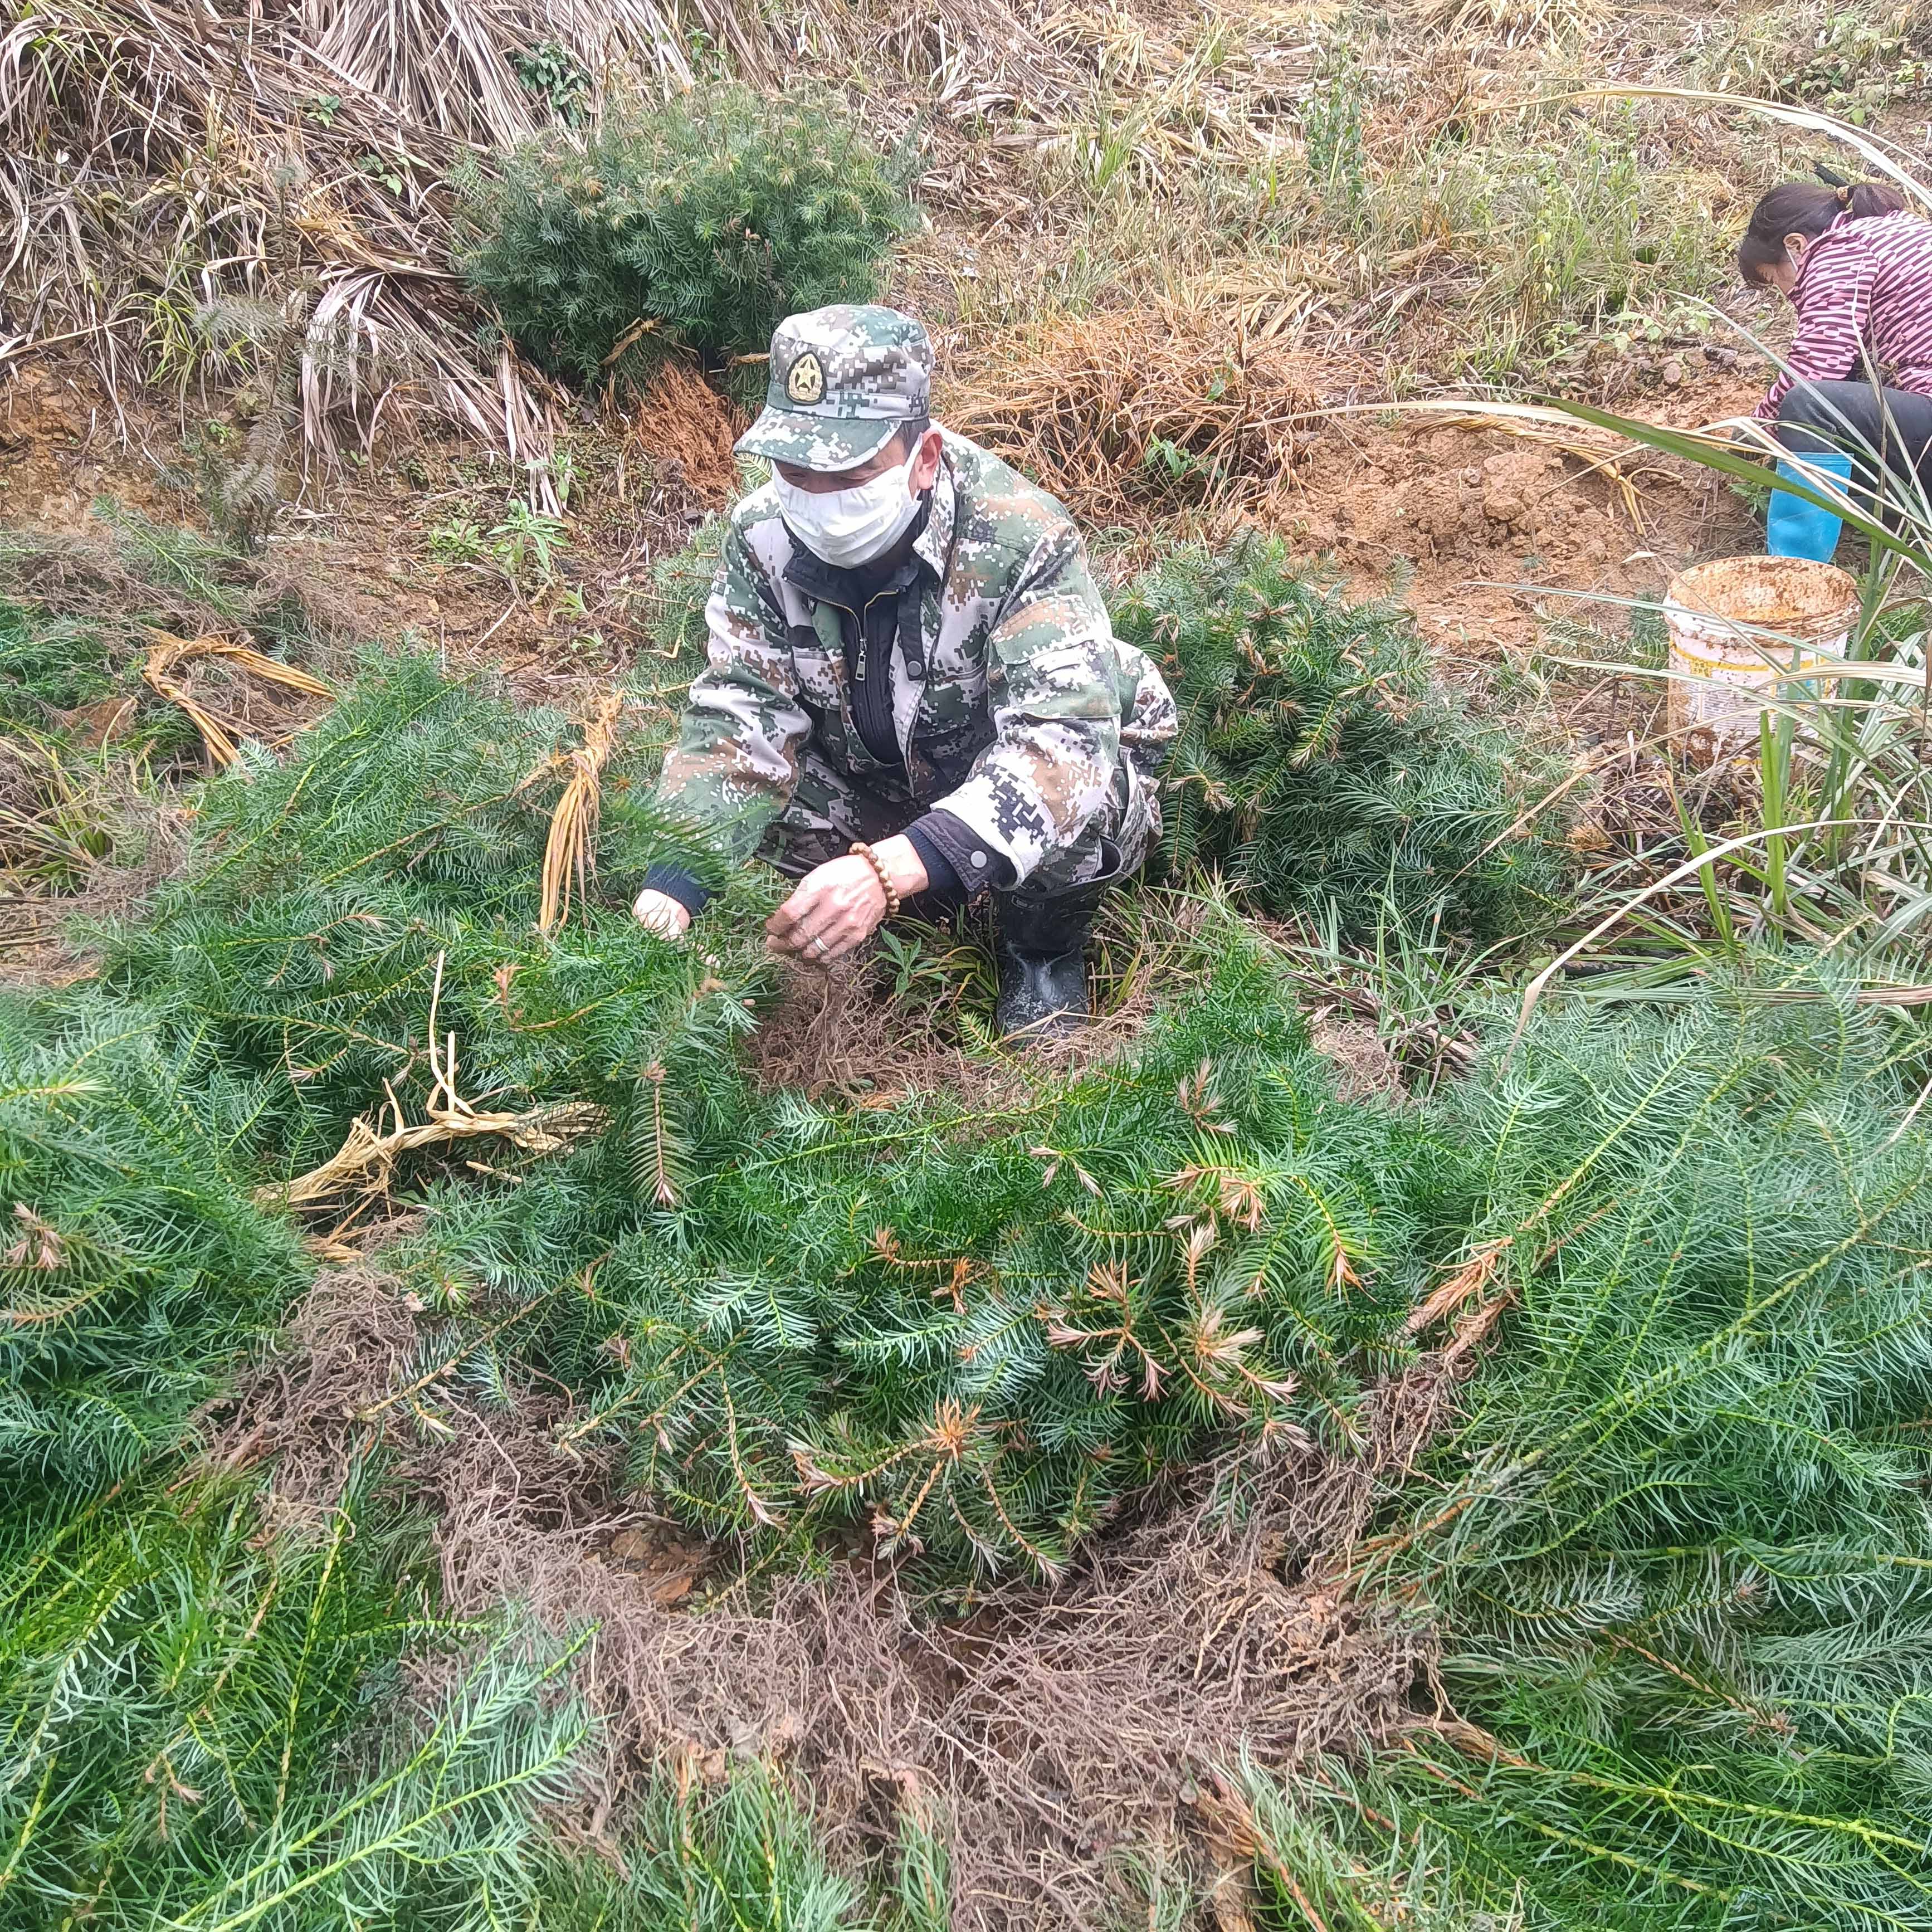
(155, 159)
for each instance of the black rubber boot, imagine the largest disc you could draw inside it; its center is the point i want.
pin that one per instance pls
(1043, 960)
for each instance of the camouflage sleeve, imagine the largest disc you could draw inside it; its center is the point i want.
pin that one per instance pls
(735, 761)
(1053, 686)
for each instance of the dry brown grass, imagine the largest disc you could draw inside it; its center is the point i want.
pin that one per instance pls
(105, 579)
(1119, 414)
(840, 1031)
(290, 175)
(687, 429)
(835, 1032)
(1513, 22)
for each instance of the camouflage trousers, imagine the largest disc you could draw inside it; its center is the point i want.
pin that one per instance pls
(830, 808)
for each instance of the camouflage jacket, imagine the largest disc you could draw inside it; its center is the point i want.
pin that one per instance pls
(1018, 710)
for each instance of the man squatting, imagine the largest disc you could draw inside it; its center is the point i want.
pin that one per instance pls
(914, 693)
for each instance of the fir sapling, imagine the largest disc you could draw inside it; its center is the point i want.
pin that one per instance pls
(703, 221)
(209, 1723)
(135, 1266)
(1672, 1528)
(1675, 1540)
(391, 866)
(1320, 767)
(976, 1333)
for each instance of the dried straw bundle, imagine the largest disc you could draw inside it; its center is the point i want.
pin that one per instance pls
(363, 1164)
(1119, 414)
(570, 852)
(222, 731)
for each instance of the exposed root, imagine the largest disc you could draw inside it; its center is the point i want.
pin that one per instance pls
(837, 1030)
(832, 1031)
(346, 1345)
(1168, 405)
(1063, 1736)
(688, 430)
(366, 1158)
(1057, 1731)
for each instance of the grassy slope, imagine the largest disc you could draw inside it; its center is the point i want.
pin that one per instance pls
(1672, 1536)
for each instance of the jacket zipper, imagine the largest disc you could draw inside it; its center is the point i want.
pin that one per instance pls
(858, 677)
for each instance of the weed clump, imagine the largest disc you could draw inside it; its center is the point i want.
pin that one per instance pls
(1321, 767)
(49, 667)
(704, 222)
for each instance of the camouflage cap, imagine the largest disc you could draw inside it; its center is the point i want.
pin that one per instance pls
(843, 379)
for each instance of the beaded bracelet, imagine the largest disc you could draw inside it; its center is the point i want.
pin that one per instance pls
(862, 849)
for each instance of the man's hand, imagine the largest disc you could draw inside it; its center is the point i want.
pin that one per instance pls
(659, 913)
(837, 906)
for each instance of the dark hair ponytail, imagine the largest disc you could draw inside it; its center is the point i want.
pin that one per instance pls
(1799, 207)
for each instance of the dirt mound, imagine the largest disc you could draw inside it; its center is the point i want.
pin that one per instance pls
(1476, 528)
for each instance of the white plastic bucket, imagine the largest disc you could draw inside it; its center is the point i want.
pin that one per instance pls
(1741, 628)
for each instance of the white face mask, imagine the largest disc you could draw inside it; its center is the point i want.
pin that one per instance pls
(849, 527)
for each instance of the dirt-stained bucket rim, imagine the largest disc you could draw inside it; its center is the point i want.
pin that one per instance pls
(1797, 597)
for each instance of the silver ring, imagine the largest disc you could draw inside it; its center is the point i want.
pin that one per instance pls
(818, 945)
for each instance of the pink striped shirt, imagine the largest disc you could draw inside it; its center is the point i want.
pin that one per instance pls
(1863, 293)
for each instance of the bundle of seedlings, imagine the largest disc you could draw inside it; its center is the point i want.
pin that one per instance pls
(1604, 1359)
(1321, 766)
(1673, 1533)
(223, 1718)
(970, 1334)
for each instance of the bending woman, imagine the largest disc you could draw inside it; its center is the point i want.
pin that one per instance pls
(1856, 395)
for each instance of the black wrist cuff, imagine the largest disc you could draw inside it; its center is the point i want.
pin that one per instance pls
(677, 885)
(972, 861)
(942, 891)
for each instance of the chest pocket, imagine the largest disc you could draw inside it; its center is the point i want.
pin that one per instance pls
(955, 723)
(818, 660)
(956, 652)
(820, 671)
